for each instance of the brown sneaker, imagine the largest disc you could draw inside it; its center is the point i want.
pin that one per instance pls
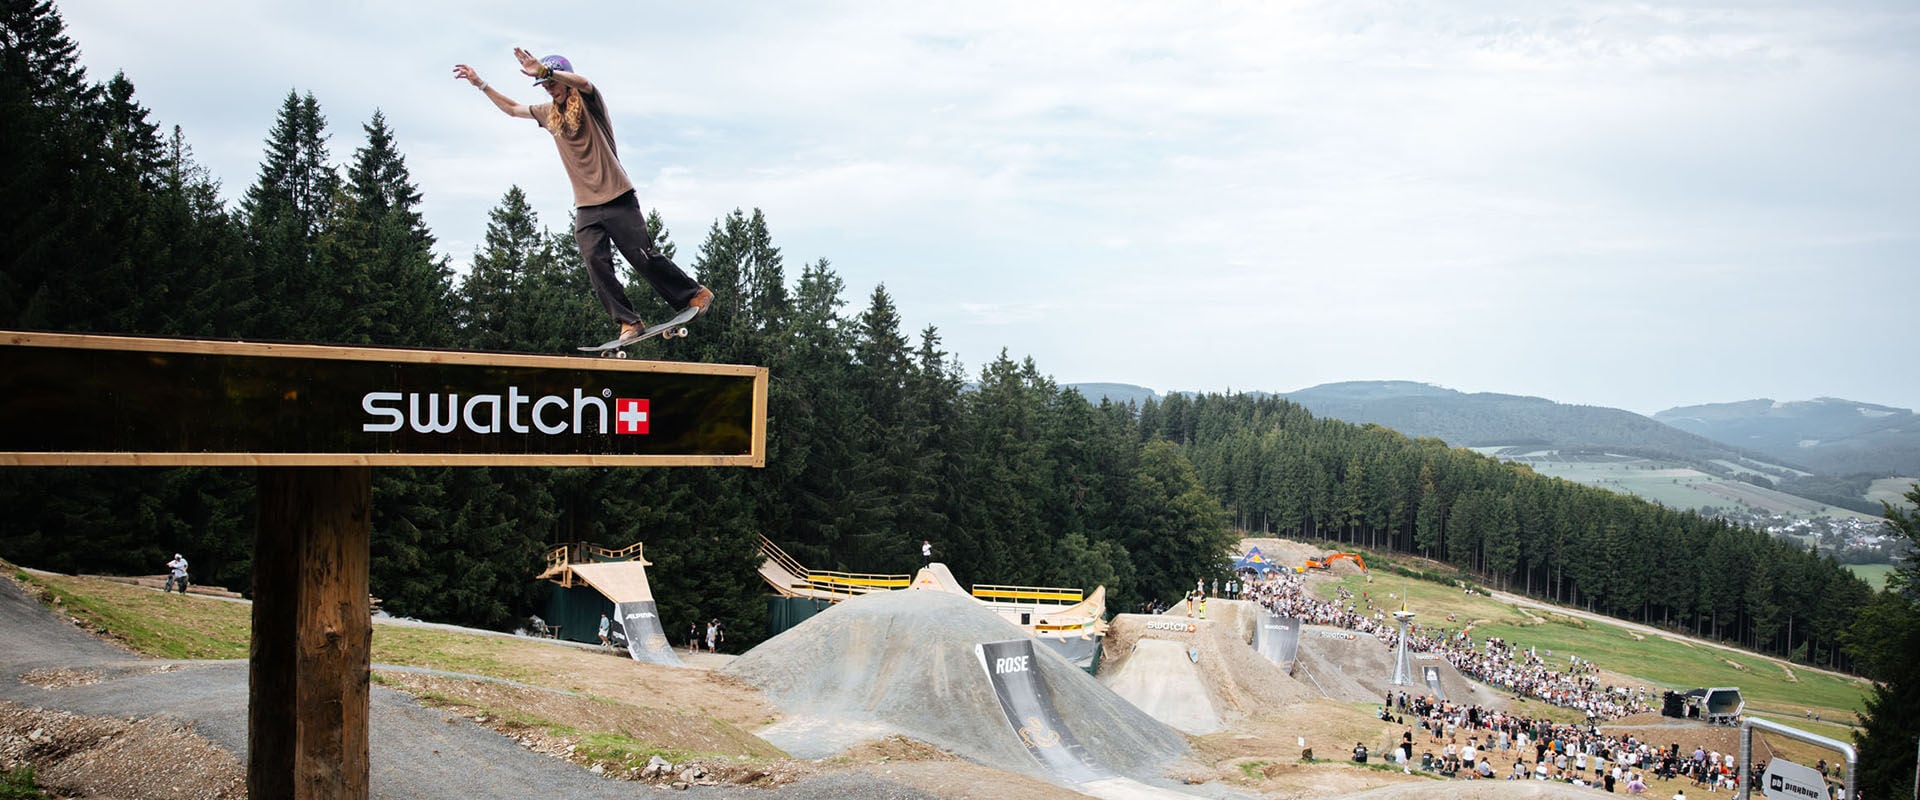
(701, 300)
(630, 331)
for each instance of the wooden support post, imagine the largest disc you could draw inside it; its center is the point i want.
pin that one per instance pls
(312, 634)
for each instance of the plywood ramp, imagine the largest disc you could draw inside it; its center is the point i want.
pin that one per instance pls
(620, 581)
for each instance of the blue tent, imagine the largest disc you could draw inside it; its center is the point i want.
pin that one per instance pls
(1257, 562)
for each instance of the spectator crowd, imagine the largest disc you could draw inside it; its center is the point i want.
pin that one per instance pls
(1523, 671)
(1476, 743)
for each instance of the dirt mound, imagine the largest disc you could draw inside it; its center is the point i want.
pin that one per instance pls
(1346, 666)
(904, 662)
(1285, 552)
(1237, 681)
(1356, 667)
(1162, 678)
(74, 755)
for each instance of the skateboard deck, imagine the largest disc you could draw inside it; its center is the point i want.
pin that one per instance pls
(671, 329)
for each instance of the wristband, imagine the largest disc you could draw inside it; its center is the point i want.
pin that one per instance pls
(482, 86)
(545, 72)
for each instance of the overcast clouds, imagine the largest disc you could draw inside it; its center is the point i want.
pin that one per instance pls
(1627, 205)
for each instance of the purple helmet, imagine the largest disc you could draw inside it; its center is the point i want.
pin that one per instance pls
(555, 63)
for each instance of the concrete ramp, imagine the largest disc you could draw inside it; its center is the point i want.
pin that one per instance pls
(1162, 678)
(638, 618)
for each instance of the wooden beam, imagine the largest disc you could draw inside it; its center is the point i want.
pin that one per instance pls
(312, 635)
(414, 355)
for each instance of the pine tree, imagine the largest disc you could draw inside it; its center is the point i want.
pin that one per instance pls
(809, 405)
(285, 211)
(52, 144)
(127, 289)
(195, 250)
(883, 439)
(527, 290)
(935, 474)
(739, 263)
(377, 250)
(1888, 635)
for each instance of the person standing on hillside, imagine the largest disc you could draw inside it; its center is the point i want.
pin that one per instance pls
(176, 574)
(607, 213)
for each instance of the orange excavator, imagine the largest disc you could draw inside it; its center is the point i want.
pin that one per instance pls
(1327, 560)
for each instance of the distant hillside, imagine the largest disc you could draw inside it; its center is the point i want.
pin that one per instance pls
(1771, 445)
(1496, 420)
(1119, 393)
(1827, 435)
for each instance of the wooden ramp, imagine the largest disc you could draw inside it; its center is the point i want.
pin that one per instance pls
(621, 582)
(790, 579)
(620, 576)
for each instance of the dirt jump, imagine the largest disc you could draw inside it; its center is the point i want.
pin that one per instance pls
(1196, 675)
(910, 663)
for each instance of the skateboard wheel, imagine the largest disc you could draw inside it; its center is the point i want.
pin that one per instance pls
(681, 332)
(620, 354)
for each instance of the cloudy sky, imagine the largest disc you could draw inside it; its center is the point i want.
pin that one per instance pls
(1621, 204)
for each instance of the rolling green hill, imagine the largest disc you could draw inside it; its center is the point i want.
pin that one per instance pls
(1828, 435)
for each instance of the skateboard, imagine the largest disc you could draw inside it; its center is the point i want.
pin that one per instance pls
(671, 329)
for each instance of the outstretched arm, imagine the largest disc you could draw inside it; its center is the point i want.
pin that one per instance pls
(503, 102)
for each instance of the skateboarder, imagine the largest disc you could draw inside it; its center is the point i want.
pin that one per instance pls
(607, 213)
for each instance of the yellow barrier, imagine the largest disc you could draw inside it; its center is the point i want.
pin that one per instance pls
(1033, 594)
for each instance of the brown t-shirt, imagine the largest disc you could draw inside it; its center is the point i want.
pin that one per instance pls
(588, 154)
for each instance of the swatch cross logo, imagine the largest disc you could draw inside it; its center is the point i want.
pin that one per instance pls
(632, 415)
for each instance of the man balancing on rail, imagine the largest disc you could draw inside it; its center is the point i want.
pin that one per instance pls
(607, 213)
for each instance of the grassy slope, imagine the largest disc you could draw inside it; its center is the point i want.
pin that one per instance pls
(1892, 490)
(178, 627)
(173, 626)
(1769, 685)
(1874, 574)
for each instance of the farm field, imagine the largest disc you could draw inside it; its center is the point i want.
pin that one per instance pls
(1674, 486)
(1892, 491)
(1874, 574)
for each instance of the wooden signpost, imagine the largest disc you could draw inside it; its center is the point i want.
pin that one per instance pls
(315, 420)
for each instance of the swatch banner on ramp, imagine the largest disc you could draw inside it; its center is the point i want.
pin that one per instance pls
(647, 641)
(1279, 637)
(1433, 682)
(1014, 670)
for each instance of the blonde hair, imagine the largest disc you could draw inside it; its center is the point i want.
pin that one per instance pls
(565, 114)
